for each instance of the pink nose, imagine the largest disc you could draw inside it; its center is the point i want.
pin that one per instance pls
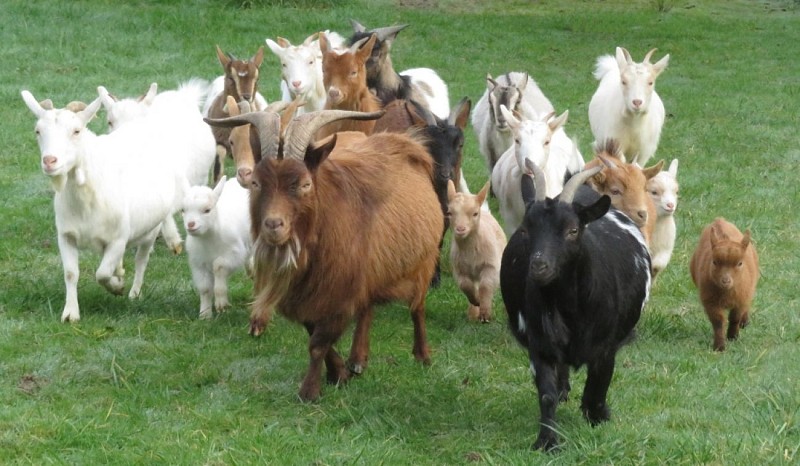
(461, 230)
(670, 206)
(49, 160)
(334, 93)
(191, 225)
(637, 103)
(243, 175)
(297, 84)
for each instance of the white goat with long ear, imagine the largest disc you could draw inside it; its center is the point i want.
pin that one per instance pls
(542, 141)
(301, 69)
(218, 239)
(107, 194)
(663, 189)
(626, 106)
(476, 249)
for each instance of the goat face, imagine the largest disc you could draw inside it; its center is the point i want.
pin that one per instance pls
(638, 79)
(299, 64)
(199, 208)
(663, 189)
(281, 194)
(728, 258)
(241, 76)
(344, 73)
(508, 95)
(553, 232)
(59, 133)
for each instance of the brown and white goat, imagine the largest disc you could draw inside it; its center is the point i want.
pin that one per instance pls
(625, 184)
(724, 268)
(345, 77)
(241, 83)
(338, 230)
(476, 249)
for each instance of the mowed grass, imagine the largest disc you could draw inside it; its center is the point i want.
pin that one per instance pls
(146, 382)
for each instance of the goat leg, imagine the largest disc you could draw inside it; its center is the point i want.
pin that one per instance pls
(598, 379)
(359, 351)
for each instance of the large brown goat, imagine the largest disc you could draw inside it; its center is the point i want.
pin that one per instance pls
(724, 268)
(241, 83)
(345, 78)
(625, 184)
(338, 230)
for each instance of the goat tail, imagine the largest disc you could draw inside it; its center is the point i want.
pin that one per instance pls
(194, 90)
(605, 64)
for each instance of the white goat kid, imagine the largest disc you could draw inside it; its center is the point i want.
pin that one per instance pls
(663, 189)
(491, 128)
(542, 141)
(301, 69)
(107, 194)
(626, 106)
(218, 239)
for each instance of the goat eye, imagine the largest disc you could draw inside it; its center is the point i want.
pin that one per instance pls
(740, 264)
(573, 232)
(475, 214)
(547, 143)
(650, 83)
(254, 185)
(283, 65)
(207, 210)
(353, 74)
(616, 192)
(76, 132)
(715, 263)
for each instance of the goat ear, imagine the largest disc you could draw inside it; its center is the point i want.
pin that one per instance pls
(35, 107)
(592, 212)
(490, 83)
(105, 97)
(673, 168)
(451, 190)
(223, 58)
(459, 116)
(481, 196)
(365, 50)
(318, 152)
(745, 239)
(89, 112)
(230, 106)
(527, 189)
(512, 120)
(523, 83)
(150, 95)
(276, 47)
(217, 192)
(715, 234)
(558, 122)
(650, 172)
(660, 65)
(258, 58)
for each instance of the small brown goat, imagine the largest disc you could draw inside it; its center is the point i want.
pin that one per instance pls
(241, 83)
(625, 184)
(338, 230)
(724, 268)
(476, 250)
(345, 77)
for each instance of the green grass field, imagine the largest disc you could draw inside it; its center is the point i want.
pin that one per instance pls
(146, 382)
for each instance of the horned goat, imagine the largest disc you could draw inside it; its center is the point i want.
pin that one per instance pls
(574, 280)
(107, 194)
(331, 224)
(491, 127)
(626, 106)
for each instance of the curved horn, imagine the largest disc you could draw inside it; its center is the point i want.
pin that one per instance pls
(647, 57)
(357, 27)
(568, 193)
(538, 179)
(301, 130)
(388, 32)
(354, 48)
(277, 107)
(267, 124)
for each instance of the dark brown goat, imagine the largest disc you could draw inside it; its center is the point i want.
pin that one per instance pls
(338, 230)
(724, 268)
(241, 83)
(345, 78)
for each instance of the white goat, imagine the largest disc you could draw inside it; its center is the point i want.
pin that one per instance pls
(542, 141)
(476, 249)
(663, 189)
(626, 106)
(218, 239)
(492, 130)
(301, 69)
(107, 194)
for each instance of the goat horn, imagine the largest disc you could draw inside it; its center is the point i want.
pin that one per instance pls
(538, 180)
(568, 193)
(301, 130)
(388, 32)
(357, 27)
(277, 107)
(267, 124)
(649, 54)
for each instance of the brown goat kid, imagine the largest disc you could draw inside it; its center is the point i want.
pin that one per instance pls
(241, 83)
(724, 268)
(626, 185)
(345, 79)
(337, 229)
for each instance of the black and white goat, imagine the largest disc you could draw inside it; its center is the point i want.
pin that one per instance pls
(574, 278)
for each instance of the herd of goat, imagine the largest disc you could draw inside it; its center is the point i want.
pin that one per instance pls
(344, 190)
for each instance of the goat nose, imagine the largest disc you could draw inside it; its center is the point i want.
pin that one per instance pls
(273, 223)
(49, 160)
(333, 93)
(642, 214)
(190, 225)
(247, 97)
(637, 103)
(297, 84)
(670, 206)
(243, 176)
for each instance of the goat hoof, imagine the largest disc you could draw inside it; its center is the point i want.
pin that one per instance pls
(177, 249)
(355, 368)
(256, 327)
(546, 442)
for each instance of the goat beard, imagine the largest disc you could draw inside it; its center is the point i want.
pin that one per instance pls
(275, 266)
